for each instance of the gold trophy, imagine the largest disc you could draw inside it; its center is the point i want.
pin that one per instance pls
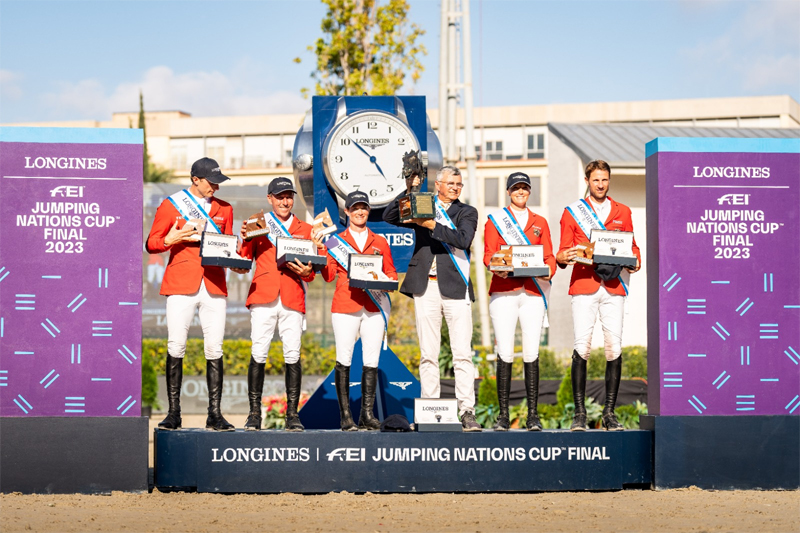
(416, 204)
(501, 260)
(585, 253)
(256, 226)
(323, 224)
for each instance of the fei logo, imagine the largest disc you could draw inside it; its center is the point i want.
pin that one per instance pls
(348, 454)
(734, 199)
(69, 191)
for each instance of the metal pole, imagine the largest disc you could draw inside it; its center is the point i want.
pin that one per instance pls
(444, 56)
(476, 185)
(451, 153)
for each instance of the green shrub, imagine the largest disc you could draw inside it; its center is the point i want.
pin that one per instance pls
(149, 384)
(634, 363)
(487, 392)
(564, 394)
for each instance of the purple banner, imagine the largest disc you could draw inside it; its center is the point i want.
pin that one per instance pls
(724, 235)
(70, 272)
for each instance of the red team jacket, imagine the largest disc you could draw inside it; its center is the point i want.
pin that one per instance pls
(538, 232)
(345, 299)
(184, 271)
(584, 280)
(269, 281)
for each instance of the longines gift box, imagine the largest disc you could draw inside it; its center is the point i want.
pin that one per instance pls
(366, 272)
(436, 414)
(528, 261)
(613, 247)
(304, 250)
(217, 249)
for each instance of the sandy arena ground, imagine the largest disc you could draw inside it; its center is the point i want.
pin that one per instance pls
(690, 510)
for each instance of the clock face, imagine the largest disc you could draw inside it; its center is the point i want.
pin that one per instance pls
(365, 153)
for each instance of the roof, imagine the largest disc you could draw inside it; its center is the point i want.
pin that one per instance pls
(624, 145)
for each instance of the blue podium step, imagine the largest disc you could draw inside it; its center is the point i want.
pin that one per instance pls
(330, 460)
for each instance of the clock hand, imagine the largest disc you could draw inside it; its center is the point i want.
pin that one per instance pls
(372, 158)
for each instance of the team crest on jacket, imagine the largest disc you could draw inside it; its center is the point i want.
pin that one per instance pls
(376, 251)
(537, 231)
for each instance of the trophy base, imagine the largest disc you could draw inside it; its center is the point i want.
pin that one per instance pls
(417, 205)
(318, 262)
(229, 262)
(584, 261)
(501, 268)
(373, 285)
(531, 272)
(257, 233)
(620, 260)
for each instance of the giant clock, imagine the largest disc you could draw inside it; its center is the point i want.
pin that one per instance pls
(357, 143)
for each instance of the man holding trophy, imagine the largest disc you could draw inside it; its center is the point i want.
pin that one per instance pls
(277, 297)
(358, 311)
(438, 279)
(190, 285)
(600, 288)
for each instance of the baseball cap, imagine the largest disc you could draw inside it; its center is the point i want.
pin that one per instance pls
(517, 177)
(279, 185)
(207, 168)
(356, 197)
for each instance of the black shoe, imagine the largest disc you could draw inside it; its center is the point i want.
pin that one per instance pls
(503, 387)
(468, 422)
(610, 422)
(502, 424)
(174, 379)
(532, 395)
(578, 375)
(215, 420)
(294, 380)
(613, 377)
(255, 387)
(342, 382)
(578, 422)
(369, 384)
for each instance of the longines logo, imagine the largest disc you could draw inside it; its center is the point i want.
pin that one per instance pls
(259, 455)
(372, 143)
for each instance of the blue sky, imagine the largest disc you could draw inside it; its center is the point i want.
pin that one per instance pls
(70, 60)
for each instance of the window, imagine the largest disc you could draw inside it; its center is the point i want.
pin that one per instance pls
(491, 192)
(536, 146)
(287, 158)
(494, 150)
(478, 152)
(178, 157)
(217, 153)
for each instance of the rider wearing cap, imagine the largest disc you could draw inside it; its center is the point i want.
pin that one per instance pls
(189, 285)
(277, 298)
(356, 312)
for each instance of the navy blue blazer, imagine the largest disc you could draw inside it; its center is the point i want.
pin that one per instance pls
(428, 244)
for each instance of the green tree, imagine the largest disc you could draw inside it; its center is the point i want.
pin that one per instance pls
(151, 172)
(366, 48)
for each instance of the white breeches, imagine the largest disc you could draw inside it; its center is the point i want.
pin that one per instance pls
(505, 308)
(584, 314)
(430, 307)
(346, 329)
(180, 312)
(263, 320)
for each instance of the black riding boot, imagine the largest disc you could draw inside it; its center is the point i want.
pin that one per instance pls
(215, 420)
(174, 379)
(613, 375)
(255, 388)
(294, 380)
(532, 394)
(342, 381)
(579, 391)
(503, 387)
(369, 384)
